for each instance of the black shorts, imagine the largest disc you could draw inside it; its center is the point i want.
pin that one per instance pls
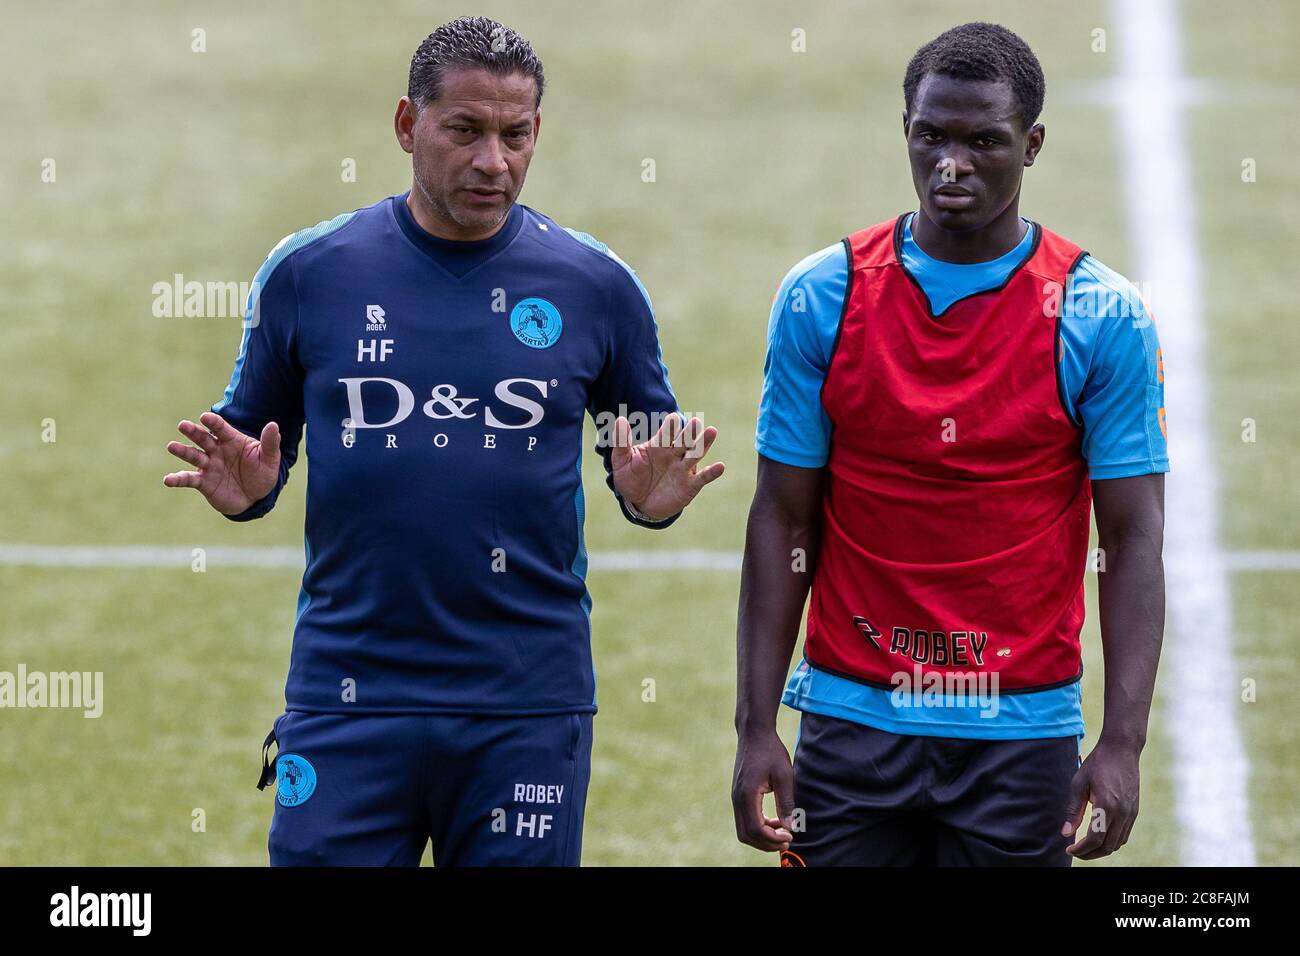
(872, 798)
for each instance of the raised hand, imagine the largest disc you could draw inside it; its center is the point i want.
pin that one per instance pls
(659, 476)
(234, 471)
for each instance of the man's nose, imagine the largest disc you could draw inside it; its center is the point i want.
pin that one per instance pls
(955, 164)
(490, 159)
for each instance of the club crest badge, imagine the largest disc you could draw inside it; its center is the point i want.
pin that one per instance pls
(536, 323)
(295, 780)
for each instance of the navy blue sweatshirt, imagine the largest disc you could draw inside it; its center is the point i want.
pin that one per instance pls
(443, 387)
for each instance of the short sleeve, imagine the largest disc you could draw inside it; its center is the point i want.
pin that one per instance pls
(1113, 374)
(793, 427)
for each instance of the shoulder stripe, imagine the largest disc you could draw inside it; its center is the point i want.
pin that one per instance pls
(592, 242)
(283, 249)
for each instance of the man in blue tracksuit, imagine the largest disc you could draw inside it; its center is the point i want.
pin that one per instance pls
(444, 346)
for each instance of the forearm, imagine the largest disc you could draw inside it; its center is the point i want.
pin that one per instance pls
(776, 573)
(1131, 594)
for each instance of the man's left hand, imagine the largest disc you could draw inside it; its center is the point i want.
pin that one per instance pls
(661, 476)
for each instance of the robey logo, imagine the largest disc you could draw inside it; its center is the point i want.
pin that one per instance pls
(446, 402)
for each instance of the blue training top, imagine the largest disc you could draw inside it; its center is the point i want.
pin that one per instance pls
(444, 387)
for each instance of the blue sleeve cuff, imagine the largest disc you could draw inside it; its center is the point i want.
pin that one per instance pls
(637, 518)
(788, 456)
(258, 508)
(1128, 469)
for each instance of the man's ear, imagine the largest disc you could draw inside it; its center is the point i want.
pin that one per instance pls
(904, 124)
(1034, 142)
(537, 124)
(404, 124)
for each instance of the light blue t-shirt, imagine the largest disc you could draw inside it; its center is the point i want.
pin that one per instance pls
(1113, 389)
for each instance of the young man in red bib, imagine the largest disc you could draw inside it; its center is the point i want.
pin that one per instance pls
(947, 398)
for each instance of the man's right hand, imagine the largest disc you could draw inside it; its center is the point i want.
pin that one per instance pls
(234, 471)
(763, 766)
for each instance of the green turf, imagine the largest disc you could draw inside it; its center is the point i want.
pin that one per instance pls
(170, 161)
(1247, 234)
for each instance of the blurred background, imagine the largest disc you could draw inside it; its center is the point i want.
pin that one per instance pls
(131, 156)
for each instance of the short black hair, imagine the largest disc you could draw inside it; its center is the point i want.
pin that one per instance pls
(981, 51)
(476, 43)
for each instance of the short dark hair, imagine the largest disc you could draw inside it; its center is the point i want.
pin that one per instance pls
(475, 43)
(981, 51)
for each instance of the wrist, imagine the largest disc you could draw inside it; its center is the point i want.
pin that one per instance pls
(1123, 741)
(752, 727)
(640, 515)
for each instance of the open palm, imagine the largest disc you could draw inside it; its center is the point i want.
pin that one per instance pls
(661, 476)
(234, 471)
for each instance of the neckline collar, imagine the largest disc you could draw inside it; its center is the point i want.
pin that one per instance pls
(905, 219)
(439, 248)
(1008, 258)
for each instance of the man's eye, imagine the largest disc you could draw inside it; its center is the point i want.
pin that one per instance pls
(986, 142)
(463, 130)
(930, 136)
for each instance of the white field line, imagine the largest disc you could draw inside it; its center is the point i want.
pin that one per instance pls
(175, 557)
(145, 556)
(162, 556)
(1262, 560)
(1199, 699)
